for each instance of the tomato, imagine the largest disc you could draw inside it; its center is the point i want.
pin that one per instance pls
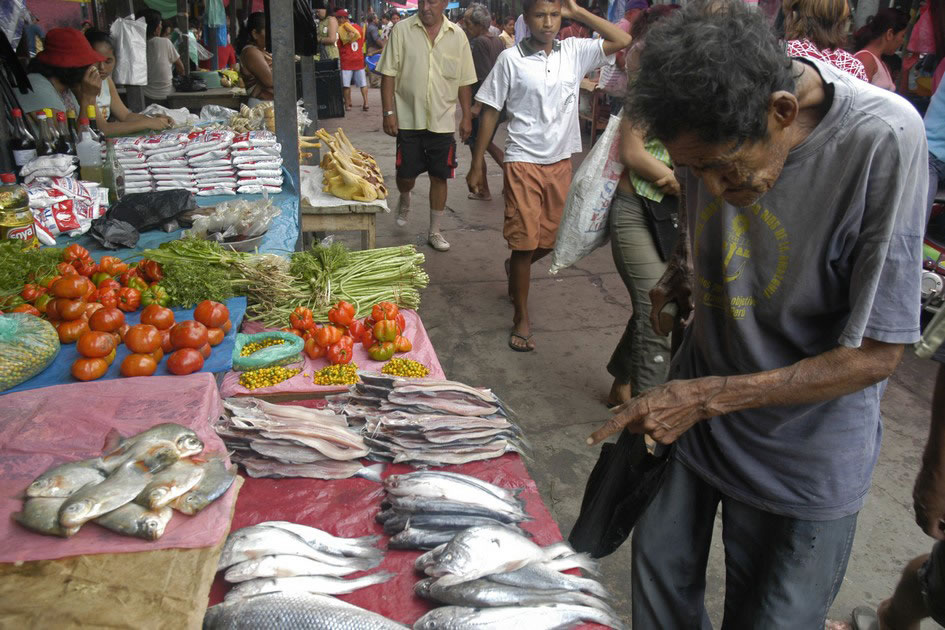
(189, 334)
(74, 252)
(157, 355)
(66, 269)
(107, 319)
(70, 287)
(293, 331)
(211, 314)
(138, 365)
(31, 291)
(129, 299)
(158, 316)
(356, 329)
(227, 325)
(91, 308)
(384, 310)
(339, 353)
(42, 301)
(110, 357)
(328, 335)
(122, 331)
(385, 330)
(27, 308)
(166, 344)
(69, 310)
(185, 361)
(143, 339)
(215, 336)
(106, 297)
(301, 318)
(313, 350)
(89, 290)
(89, 369)
(108, 283)
(95, 344)
(69, 332)
(402, 344)
(51, 313)
(206, 350)
(86, 267)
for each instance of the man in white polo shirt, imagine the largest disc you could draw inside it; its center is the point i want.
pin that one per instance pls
(538, 82)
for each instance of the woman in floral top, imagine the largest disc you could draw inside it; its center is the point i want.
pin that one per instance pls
(817, 29)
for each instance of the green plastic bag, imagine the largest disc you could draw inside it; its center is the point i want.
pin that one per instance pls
(270, 356)
(28, 345)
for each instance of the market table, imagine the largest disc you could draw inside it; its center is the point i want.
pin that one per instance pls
(227, 97)
(323, 212)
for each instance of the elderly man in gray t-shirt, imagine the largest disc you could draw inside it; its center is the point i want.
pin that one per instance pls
(800, 262)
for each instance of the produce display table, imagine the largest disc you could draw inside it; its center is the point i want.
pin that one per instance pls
(301, 385)
(227, 97)
(323, 212)
(280, 239)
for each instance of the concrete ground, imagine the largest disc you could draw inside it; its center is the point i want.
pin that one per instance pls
(559, 390)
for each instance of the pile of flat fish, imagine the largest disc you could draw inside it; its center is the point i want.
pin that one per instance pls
(131, 488)
(293, 611)
(425, 509)
(491, 577)
(428, 422)
(284, 557)
(290, 441)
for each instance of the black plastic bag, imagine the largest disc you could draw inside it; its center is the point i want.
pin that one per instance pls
(114, 234)
(619, 489)
(187, 83)
(140, 212)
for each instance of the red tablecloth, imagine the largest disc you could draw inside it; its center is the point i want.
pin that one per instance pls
(302, 383)
(347, 508)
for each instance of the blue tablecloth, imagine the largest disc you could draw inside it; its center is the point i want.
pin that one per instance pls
(221, 360)
(280, 239)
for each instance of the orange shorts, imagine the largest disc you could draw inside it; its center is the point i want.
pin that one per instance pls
(534, 201)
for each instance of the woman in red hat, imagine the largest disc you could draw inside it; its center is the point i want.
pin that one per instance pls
(65, 75)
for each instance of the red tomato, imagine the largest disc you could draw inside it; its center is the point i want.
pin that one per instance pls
(138, 365)
(157, 355)
(107, 319)
(52, 314)
(215, 336)
(95, 344)
(70, 287)
(227, 325)
(26, 308)
(189, 334)
(122, 331)
(91, 308)
(69, 332)
(89, 369)
(206, 350)
(211, 314)
(185, 361)
(69, 310)
(31, 291)
(143, 339)
(313, 350)
(166, 346)
(158, 316)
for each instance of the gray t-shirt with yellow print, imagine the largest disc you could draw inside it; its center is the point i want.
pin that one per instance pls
(830, 255)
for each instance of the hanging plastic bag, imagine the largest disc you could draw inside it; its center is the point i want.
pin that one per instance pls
(584, 220)
(131, 51)
(27, 345)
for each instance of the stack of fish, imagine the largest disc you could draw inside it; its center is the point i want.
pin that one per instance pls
(491, 577)
(294, 611)
(283, 557)
(429, 422)
(290, 441)
(425, 509)
(131, 488)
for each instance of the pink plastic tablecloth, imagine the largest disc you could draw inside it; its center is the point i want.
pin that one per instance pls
(302, 383)
(45, 427)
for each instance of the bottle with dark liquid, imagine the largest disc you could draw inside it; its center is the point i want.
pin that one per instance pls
(44, 143)
(22, 142)
(73, 126)
(93, 125)
(65, 143)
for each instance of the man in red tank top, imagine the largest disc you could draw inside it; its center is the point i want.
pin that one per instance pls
(351, 53)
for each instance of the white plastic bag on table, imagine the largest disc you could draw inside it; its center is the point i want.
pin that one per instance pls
(583, 225)
(130, 38)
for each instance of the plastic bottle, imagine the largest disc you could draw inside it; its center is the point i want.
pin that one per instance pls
(89, 150)
(23, 144)
(73, 125)
(113, 173)
(93, 125)
(64, 144)
(44, 143)
(16, 218)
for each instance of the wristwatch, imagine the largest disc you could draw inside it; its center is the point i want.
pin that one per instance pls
(389, 113)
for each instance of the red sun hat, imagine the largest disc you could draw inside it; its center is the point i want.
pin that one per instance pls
(341, 13)
(68, 48)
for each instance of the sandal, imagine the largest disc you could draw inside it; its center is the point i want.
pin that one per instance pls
(528, 347)
(365, 108)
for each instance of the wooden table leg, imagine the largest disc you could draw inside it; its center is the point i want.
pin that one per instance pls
(372, 240)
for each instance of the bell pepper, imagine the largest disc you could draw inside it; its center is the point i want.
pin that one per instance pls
(127, 275)
(384, 310)
(109, 283)
(129, 299)
(293, 331)
(100, 276)
(138, 283)
(356, 330)
(151, 270)
(301, 319)
(385, 330)
(367, 337)
(401, 322)
(66, 269)
(155, 294)
(381, 351)
(328, 336)
(47, 280)
(106, 297)
(75, 252)
(312, 349)
(85, 266)
(112, 265)
(339, 353)
(342, 314)
(402, 344)
(31, 291)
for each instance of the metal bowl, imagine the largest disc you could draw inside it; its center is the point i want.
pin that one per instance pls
(248, 245)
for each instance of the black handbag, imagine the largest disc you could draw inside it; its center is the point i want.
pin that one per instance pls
(624, 481)
(663, 219)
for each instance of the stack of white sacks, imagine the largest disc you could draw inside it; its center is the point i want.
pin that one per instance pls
(216, 162)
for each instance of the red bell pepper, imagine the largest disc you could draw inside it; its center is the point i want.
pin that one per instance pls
(342, 314)
(340, 353)
(129, 299)
(301, 319)
(384, 310)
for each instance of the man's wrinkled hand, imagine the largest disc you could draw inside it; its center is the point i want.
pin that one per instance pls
(929, 500)
(664, 412)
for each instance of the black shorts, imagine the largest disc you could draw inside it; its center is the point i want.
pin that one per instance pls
(932, 581)
(422, 151)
